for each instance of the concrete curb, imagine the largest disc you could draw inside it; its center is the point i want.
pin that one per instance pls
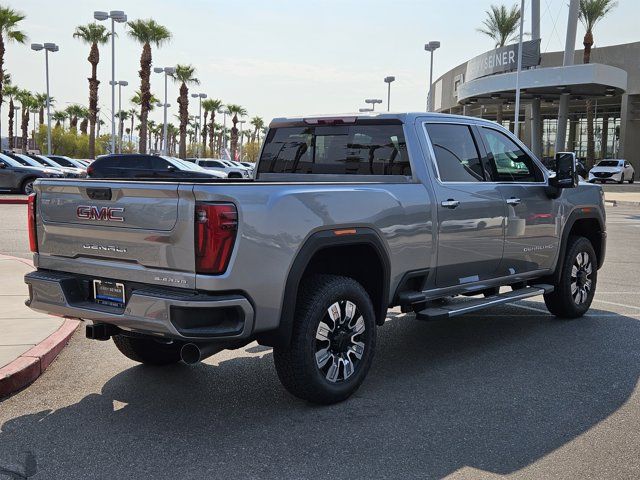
(32, 363)
(13, 201)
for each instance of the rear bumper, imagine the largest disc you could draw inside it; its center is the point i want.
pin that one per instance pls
(150, 310)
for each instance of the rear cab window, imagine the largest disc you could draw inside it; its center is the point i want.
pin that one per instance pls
(359, 149)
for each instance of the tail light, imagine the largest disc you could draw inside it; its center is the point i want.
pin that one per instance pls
(89, 170)
(31, 215)
(216, 225)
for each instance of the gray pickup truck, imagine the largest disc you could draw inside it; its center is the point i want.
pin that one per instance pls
(345, 218)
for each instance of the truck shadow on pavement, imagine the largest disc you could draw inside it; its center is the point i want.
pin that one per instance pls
(494, 393)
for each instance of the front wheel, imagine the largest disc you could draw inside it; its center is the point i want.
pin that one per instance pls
(574, 291)
(633, 178)
(333, 340)
(621, 181)
(27, 186)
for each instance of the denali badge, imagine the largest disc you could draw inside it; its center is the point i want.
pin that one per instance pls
(104, 248)
(91, 212)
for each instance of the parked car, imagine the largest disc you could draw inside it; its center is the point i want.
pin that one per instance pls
(146, 166)
(248, 164)
(612, 171)
(71, 172)
(67, 162)
(344, 219)
(216, 164)
(17, 175)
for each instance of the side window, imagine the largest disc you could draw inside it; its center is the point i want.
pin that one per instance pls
(508, 161)
(456, 153)
(158, 164)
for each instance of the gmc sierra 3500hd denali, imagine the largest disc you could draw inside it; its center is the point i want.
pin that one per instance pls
(346, 217)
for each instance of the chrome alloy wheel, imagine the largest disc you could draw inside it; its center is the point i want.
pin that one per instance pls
(339, 342)
(581, 283)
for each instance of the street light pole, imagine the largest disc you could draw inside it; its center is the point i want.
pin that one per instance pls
(516, 122)
(120, 17)
(120, 83)
(241, 122)
(47, 47)
(388, 81)
(431, 47)
(167, 71)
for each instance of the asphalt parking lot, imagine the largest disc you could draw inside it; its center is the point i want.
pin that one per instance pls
(509, 392)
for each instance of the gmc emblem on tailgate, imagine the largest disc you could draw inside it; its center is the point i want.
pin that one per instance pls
(108, 214)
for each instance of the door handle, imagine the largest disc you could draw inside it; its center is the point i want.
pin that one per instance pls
(451, 203)
(513, 201)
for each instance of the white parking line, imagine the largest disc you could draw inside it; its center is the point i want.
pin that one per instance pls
(533, 309)
(617, 304)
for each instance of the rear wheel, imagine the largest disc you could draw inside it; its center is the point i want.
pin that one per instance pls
(333, 340)
(148, 350)
(574, 291)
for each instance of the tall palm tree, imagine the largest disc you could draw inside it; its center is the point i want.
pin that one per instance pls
(184, 75)
(146, 32)
(501, 25)
(212, 105)
(132, 115)
(590, 13)
(60, 116)
(235, 110)
(9, 20)
(27, 101)
(10, 91)
(258, 125)
(151, 127)
(93, 34)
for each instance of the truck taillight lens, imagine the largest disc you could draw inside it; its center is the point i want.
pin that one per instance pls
(216, 225)
(31, 209)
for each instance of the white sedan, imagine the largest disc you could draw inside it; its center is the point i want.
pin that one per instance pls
(225, 166)
(612, 171)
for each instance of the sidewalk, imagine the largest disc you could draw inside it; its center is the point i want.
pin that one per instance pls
(623, 198)
(29, 341)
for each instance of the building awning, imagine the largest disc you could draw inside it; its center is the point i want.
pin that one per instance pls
(585, 80)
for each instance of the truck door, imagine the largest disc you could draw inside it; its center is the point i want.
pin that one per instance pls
(471, 212)
(532, 223)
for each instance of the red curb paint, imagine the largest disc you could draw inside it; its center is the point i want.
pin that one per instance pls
(18, 259)
(18, 374)
(47, 350)
(13, 201)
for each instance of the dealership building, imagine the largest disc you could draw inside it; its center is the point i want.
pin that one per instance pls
(485, 86)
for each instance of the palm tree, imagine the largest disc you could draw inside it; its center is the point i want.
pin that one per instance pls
(9, 20)
(501, 25)
(590, 13)
(258, 125)
(184, 75)
(235, 110)
(93, 34)
(151, 126)
(10, 91)
(146, 32)
(122, 115)
(60, 116)
(137, 100)
(211, 105)
(74, 112)
(132, 115)
(27, 101)
(41, 104)
(83, 114)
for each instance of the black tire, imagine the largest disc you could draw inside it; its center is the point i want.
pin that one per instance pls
(633, 178)
(621, 179)
(27, 186)
(299, 366)
(572, 296)
(234, 175)
(148, 350)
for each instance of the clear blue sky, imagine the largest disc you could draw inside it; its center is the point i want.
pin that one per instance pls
(284, 57)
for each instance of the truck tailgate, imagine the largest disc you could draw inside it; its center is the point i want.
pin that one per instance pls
(93, 226)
